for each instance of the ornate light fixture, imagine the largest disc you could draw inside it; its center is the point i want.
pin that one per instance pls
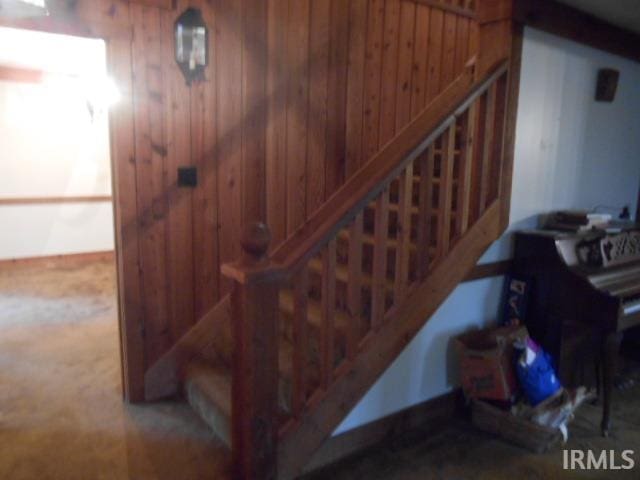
(192, 40)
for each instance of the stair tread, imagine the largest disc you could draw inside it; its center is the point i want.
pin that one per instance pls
(208, 390)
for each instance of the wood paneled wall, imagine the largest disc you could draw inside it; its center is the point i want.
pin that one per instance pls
(298, 95)
(344, 77)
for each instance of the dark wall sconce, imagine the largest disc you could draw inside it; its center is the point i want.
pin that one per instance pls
(192, 40)
(607, 85)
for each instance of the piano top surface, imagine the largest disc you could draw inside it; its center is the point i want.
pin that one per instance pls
(621, 280)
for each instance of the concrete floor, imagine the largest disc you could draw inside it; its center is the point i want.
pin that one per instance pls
(61, 409)
(62, 415)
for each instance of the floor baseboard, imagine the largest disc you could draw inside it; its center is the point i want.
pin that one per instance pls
(434, 412)
(108, 255)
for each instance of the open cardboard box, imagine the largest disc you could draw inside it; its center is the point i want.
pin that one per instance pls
(486, 362)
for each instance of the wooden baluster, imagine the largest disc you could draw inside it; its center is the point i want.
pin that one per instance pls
(403, 251)
(499, 122)
(254, 303)
(354, 286)
(378, 290)
(328, 312)
(424, 212)
(300, 340)
(489, 132)
(466, 159)
(446, 190)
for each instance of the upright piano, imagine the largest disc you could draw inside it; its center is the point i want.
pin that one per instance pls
(581, 283)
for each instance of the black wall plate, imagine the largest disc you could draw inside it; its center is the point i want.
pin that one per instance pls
(187, 177)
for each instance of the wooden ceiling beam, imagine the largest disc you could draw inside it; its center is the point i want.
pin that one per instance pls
(568, 22)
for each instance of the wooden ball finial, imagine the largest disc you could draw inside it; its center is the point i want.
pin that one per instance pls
(255, 240)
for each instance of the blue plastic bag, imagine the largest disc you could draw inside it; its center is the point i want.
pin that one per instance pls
(536, 374)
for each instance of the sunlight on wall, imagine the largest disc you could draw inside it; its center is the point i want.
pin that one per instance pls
(54, 142)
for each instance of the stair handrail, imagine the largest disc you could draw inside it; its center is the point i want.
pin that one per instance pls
(259, 275)
(372, 178)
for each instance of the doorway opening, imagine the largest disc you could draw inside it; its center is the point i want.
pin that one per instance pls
(58, 288)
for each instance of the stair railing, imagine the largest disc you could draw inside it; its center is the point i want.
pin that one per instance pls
(429, 190)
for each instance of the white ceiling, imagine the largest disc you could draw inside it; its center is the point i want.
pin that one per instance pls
(623, 13)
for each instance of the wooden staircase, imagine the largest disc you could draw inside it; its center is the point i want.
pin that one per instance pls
(308, 328)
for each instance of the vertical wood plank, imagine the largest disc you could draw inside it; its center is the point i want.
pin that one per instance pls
(466, 157)
(176, 148)
(448, 50)
(373, 75)
(478, 154)
(403, 252)
(389, 71)
(254, 114)
(405, 63)
(276, 163)
(425, 186)
(489, 133)
(378, 291)
(152, 205)
(228, 71)
(421, 57)
(205, 197)
(297, 112)
(474, 39)
(328, 312)
(354, 286)
(497, 149)
(462, 45)
(318, 101)
(126, 222)
(355, 84)
(435, 54)
(337, 101)
(446, 191)
(300, 340)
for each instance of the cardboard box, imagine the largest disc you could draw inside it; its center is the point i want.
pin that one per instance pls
(486, 362)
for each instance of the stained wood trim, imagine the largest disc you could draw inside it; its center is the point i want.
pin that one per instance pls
(102, 256)
(425, 416)
(568, 22)
(487, 270)
(54, 200)
(463, 12)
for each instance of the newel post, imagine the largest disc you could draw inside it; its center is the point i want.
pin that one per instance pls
(254, 300)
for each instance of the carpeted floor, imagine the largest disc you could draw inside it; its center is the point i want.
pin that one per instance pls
(62, 415)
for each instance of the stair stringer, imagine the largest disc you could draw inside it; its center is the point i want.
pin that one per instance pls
(299, 443)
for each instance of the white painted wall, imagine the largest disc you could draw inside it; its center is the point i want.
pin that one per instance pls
(571, 152)
(52, 146)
